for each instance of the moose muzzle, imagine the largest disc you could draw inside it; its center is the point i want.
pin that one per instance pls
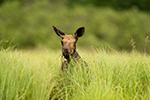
(66, 50)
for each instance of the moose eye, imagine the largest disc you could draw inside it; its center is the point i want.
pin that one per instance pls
(74, 43)
(62, 42)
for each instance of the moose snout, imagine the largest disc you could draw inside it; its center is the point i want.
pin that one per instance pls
(66, 53)
(66, 50)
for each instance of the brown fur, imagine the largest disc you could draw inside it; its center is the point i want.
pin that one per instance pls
(69, 46)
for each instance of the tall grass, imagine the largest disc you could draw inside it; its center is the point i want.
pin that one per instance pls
(23, 78)
(36, 75)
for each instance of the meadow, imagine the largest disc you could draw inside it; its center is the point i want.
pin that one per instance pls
(36, 75)
(29, 71)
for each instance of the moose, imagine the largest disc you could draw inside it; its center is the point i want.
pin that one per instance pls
(68, 43)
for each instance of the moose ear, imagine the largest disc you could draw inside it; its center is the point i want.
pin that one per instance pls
(59, 32)
(79, 32)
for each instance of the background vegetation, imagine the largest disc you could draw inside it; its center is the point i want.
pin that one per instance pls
(28, 23)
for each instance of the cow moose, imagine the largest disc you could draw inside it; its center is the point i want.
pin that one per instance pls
(68, 43)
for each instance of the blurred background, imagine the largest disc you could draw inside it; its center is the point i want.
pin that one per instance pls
(122, 24)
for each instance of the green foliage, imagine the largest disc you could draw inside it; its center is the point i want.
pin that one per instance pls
(117, 4)
(22, 78)
(36, 75)
(30, 25)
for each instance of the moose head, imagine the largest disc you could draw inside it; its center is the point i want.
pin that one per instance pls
(69, 41)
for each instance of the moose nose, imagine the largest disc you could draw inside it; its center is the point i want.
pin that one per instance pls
(66, 49)
(66, 52)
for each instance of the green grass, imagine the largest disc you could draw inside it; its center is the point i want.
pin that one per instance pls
(36, 75)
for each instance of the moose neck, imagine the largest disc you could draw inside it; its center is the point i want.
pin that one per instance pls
(75, 56)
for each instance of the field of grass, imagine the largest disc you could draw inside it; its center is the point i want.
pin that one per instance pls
(36, 75)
